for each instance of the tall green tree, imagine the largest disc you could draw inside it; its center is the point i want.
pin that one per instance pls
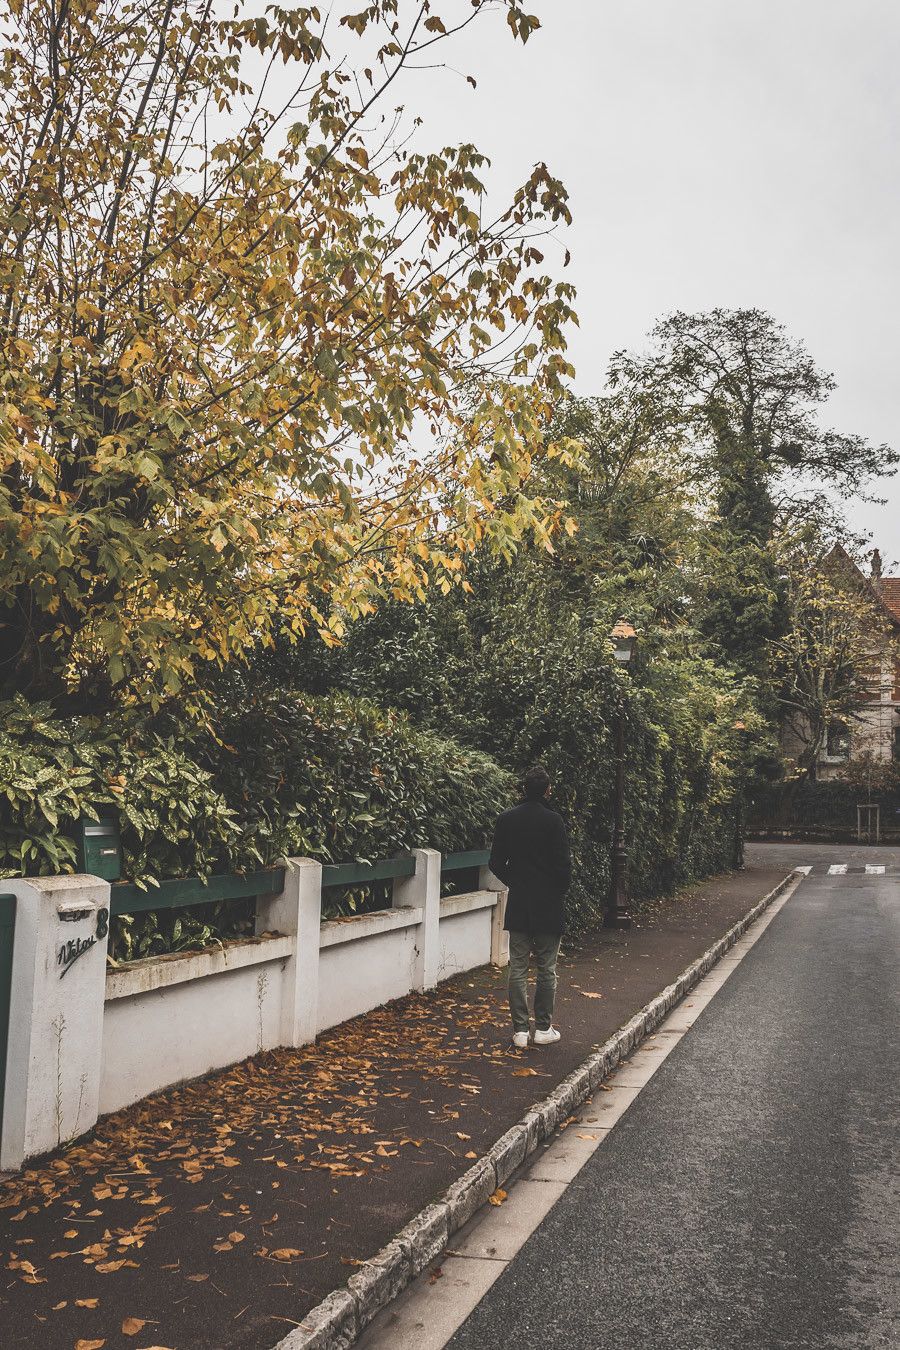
(742, 400)
(630, 499)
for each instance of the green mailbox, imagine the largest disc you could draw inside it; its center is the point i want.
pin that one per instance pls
(99, 848)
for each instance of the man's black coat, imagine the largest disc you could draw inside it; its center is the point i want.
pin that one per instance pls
(530, 855)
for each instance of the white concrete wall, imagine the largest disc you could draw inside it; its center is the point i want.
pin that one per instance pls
(465, 933)
(55, 1013)
(363, 972)
(89, 1041)
(159, 1030)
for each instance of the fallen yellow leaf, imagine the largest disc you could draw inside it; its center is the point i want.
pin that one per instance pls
(286, 1253)
(132, 1325)
(524, 1073)
(87, 1303)
(498, 1197)
(90, 1345)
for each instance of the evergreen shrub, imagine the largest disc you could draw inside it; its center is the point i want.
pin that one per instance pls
(519, 672)
(271, 775)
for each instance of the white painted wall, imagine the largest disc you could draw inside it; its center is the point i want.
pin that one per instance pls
(212, 1016)
(465, 933)
(364, 972)
(56, 1013)
(94, 1041)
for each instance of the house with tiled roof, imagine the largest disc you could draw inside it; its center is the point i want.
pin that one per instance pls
(872, 731)
(890, 594)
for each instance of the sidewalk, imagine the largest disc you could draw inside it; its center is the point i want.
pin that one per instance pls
(216, 1214)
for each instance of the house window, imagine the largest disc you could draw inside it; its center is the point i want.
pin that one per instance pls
(837, 742)
(896, 745)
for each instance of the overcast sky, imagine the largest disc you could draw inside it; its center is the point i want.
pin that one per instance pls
(716, 153)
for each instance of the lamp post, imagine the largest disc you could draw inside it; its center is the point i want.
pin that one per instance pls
(624, 639)
(741, 729)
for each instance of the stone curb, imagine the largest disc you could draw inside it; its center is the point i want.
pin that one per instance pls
(338, 1320)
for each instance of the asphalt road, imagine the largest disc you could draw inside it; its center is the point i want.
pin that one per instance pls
(750, 1197)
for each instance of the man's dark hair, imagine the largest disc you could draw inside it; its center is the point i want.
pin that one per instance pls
(536, 782)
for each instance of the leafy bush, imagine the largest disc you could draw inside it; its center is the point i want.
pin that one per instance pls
(54, 770)
(826, 809)
(522, 672)
(269, 775)
(336, 778)
(433, 709)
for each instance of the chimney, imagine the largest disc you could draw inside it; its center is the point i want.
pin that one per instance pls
(876, 565)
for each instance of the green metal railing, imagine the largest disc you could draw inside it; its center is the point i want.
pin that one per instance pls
(457, 862)
(361, 874)
(389, 869)
(7, 936)
(128, 898)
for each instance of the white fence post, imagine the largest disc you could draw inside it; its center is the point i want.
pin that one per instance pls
(56, 1013)
(297, 911)
(499, 939)
(423, 890)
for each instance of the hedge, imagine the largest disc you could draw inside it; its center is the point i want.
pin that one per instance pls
(274, 774)
(820, 808)
(520, 672)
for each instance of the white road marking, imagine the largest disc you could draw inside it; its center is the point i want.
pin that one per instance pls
(805, 870)
(837, 870)
(875, 869)
(429, 1312)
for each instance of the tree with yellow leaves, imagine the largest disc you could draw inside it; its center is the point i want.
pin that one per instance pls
(261, 361)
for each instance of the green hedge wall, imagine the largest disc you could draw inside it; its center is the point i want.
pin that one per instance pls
(268, 775)
(275, 774)
(520, 672)
(812, 808)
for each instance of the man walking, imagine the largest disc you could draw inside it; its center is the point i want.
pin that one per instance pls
(530, 855)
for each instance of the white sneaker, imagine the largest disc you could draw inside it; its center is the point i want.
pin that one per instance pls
(548, 1037)
(520, 1040)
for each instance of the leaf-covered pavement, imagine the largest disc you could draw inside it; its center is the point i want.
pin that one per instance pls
(215, 1214)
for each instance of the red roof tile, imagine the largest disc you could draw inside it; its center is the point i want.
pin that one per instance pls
(890, 594)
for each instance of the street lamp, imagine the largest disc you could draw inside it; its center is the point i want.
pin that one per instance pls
(741, 729)
(624, 639)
